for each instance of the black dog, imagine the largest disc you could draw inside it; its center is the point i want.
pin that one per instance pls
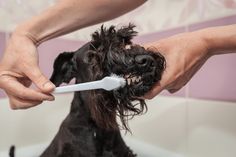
(91, 128)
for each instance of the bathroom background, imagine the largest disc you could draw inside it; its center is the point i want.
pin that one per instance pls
(197, 121)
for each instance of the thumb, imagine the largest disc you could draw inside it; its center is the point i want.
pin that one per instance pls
(41, 81)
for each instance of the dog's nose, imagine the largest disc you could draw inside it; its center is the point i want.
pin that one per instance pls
(144, 60)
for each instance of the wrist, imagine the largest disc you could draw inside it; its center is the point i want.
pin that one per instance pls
(220, 40)
(202, 42)
(207, 38)
(22, 32)
(207, 41)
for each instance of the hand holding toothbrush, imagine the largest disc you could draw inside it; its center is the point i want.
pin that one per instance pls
(18, 69)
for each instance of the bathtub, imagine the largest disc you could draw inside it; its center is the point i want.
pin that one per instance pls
(168, 129)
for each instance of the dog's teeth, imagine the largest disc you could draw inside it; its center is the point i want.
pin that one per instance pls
(140, 78)
(128, 81)
(133, 79)
(137, 79)
(128, 47)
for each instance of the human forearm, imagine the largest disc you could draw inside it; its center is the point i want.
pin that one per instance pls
(220, 40)
(69, 15)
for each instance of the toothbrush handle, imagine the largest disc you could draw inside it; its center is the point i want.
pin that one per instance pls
(79, 87)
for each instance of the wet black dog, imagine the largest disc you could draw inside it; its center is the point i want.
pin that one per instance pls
(91, 128)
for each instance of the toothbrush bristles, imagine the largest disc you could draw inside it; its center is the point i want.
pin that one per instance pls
(123, 81)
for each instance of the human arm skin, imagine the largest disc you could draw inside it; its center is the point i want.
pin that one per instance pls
(186, 53)
(71, 15)
(19, 64)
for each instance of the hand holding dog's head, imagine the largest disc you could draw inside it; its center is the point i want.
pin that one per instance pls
(111, 52)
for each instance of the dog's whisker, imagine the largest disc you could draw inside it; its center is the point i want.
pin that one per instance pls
(93, 46)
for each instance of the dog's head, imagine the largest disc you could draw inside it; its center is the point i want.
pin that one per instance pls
(111, 52)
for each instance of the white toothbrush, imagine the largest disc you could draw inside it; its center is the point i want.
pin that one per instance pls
(107, 83)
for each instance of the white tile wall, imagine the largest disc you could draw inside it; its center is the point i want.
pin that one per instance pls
(27, 127)
(212, 129)
(164, 125)
(172, 127)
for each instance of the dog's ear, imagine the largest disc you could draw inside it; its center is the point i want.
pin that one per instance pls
(63, 69)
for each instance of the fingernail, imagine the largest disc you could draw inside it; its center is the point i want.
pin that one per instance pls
(49, 85)
(51, 99)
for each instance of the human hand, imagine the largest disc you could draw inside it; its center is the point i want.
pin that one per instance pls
(185, 54)
(18, 69)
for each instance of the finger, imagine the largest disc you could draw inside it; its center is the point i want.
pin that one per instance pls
(25, 81)
(12, 86)
(182, 81)
(159, 86)
(173, 90)
(154, 91)
(17, 103)
(40, 80)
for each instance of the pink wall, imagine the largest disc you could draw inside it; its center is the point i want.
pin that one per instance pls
(215, 80)
(49, 51)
